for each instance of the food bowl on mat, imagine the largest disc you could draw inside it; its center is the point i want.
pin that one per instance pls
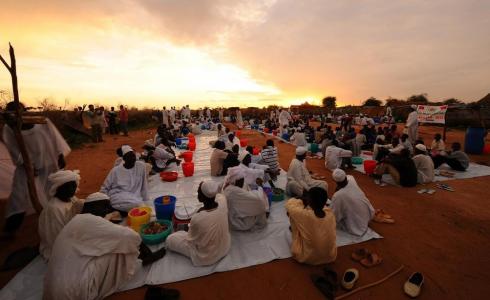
(277, 194)
(169, 176)
(138, 216)
(357, 160)
(156, 232)
(164, 207)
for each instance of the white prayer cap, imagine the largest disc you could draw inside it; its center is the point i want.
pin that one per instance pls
(301, 150)
(413, 106)
(338, 175)
(61, 177)
(421, 147)
(209, 188)
(96, 197)
(234, 174)
(125, 149)
(242, 155)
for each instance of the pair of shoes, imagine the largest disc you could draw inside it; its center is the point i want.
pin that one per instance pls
(350, 278)
(327, 284)
(366, 258)
(158, 293)
(413, 285)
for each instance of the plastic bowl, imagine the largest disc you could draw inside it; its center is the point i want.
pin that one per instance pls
(357, 160)
(169, 176)
(277, 194)
(136, 218)
(153, 239)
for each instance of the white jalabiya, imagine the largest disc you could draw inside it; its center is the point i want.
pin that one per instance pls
(171, 115)
(352, 208)
(55, 215)
(246, 208)
(284, 118)
(127, 188)
(44, 144)
(299, 179)
(91, 259)
(162, 156)
(208, 113)
(425, 168)
(208, 239)
(298, 139)
(239, 119)
(412, 126)
(165, 115)
(334, 155)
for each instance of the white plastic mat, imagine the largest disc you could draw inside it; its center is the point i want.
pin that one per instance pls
(247, 248)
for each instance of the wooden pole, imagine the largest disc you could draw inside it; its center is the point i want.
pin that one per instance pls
(18, 131)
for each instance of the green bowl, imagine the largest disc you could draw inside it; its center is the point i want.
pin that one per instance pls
(277, 194)
(153, 239)
(357, 160)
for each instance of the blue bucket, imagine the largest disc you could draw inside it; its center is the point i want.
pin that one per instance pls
(474, 141)
(164, 211)
(285, 136)
(178, 141)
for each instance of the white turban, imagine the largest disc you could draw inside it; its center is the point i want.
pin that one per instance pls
(338, 175)
(61, 177)
(242, 155)
(125, 149)
(413, 106)
(421, 147)
(234, 174)
(301, 150)
(96, 197)
(209, 188)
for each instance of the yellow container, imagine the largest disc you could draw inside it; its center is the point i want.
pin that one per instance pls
(138, 217)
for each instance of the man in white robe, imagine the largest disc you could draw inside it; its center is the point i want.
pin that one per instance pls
(208, 239)
(220, 115)
(336, 157)
(298, 138)
(351, 207)
(47, 149)
(92, 258)
(171, 115)
(412, 125)
(246, 208)
(126, 184)
(208, 113)
(60, 209)
(424, 164)
(165, 116)
(239, 119)
(299, 179)
(284, 118)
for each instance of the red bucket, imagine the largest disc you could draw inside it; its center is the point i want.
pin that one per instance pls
(266, 130)
(256, 151)
(274, 132)
(191, 146)
(187, 156)
(243, 143)
(238, 133)
(188, 169)
(369, 166)
(486, 149)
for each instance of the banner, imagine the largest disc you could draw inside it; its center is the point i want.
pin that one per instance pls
(432, 114)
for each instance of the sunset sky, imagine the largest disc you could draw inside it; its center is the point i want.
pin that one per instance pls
(151, 53)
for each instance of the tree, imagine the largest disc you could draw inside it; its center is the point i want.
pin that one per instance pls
(372, 102)
(47, 104)
(452, 101)
(394, 102)
(329, 102)
(418, 99)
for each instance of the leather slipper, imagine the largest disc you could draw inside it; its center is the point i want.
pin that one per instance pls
(371, 260)
(413, 285)
(382, 219)
(360, 254)
(325, 287)
(382, 212)
(349, 279)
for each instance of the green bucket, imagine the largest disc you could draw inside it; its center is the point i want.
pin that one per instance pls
(314, 148)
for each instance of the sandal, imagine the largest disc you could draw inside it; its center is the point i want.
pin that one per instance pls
(331, 277)
(382, 219)
(159, 293)
(382, 212)
(325, 287)
(360, 254)
(371, 260)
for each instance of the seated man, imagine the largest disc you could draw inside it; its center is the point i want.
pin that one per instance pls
(92, 258)
(299, 179)
(298, 138)
(159, 157)
(60, 209)
(222, 159)
(270, 158)
(313, 228)
(401, 168)
(424, 164)
(252, 171)
(336, 157)
(246, 208)
(208, 239)
(437, 147)
(456, 159)
(351, 207)
(126, 184)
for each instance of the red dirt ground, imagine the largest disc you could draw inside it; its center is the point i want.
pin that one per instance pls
(446, 236)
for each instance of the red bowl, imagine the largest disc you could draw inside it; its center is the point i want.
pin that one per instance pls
(169, 176)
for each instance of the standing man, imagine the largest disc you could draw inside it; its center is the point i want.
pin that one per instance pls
(172, 115)
(220, 112)
(165, 116)
(284, 118)
(208, 113)
(412, 124)
(123, 120)
(112, 121)
(47, 150)
(239, 119)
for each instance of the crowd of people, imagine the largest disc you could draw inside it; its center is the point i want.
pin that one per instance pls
(84, 235)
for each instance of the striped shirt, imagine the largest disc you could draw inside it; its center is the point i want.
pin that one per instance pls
(269, 157)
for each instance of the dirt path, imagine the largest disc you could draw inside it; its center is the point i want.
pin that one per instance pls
(446, 236)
